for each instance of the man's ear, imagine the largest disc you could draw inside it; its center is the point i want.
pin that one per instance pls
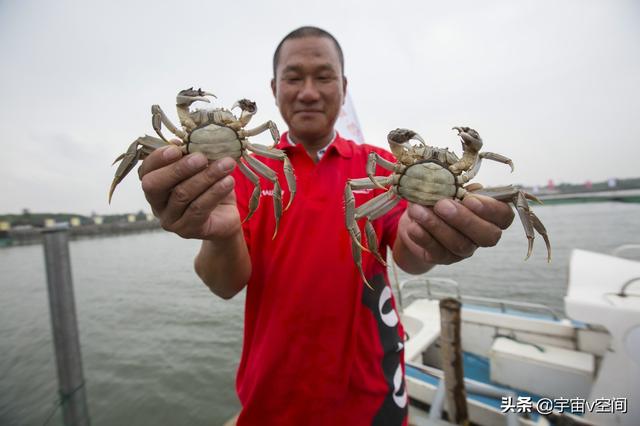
(273, 89)
(344, 89)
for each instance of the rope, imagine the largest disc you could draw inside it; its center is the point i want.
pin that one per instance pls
(62, 399)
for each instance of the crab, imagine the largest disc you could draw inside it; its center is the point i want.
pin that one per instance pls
(216, 133)
(424, 174)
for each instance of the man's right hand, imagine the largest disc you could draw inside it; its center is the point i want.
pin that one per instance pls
(191, 198)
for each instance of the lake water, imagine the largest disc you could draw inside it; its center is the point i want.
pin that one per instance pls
(159, 348)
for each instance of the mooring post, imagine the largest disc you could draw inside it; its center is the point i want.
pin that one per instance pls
(451, 351)
(73, 399)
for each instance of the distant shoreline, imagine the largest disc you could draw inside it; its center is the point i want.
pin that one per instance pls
(621, 195)
(18, 237)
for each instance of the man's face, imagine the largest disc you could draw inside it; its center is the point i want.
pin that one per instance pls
(309, 87)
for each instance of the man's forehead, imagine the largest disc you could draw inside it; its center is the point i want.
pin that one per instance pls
(305, 64)
(299, 52)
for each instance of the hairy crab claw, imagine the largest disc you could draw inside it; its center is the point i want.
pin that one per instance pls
(471, 140)
(189, 96)
(402, 136)
(246, 105)
(399, 142)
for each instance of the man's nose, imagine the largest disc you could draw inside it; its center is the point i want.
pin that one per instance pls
(309, 91)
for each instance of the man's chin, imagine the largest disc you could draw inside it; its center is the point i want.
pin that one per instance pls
(310, 136)
(309, 130)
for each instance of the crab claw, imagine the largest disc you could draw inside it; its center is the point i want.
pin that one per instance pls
(402, 136)
(246, 105)
(189, 96)
(419, 138)
(471, 139)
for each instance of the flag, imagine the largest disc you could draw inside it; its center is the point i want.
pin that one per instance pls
(347, 124)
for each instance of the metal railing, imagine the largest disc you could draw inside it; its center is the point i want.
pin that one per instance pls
(503, 304)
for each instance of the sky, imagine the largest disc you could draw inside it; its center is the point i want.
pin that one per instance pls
(554, 85)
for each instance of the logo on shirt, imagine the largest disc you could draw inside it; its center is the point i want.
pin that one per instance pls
(269, 193)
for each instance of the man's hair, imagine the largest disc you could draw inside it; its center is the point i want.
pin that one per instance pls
(307, 31)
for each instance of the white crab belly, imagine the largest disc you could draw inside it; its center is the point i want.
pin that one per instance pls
(426, 183)
(215, 142)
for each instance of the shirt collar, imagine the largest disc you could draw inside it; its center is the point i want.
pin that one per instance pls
(341, 145)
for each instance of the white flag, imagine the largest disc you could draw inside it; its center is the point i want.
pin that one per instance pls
(347, 124)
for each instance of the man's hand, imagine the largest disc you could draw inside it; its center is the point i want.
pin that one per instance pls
(191, 198)
(448, 232)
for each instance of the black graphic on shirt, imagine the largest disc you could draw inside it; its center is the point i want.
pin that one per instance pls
(394, 408)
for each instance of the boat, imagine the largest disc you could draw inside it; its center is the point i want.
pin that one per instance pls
(524, 363)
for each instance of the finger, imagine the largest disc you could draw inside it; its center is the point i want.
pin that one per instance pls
(418, 240)
(199, 210)
(187, 192)
(159, 158)
(157, 184)
(497, 212)
(478, 230)
(435, 228)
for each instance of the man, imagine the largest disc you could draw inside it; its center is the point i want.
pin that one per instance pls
(319, 346)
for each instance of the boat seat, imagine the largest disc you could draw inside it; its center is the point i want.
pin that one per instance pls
(541, 369)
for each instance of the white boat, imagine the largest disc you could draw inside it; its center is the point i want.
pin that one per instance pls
(523, 358)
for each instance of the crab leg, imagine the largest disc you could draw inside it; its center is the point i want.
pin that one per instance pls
(269, 174)
(291, 180)
(465, 177)
(158, 117)
(372, 240)
(388, 201)
(497, 157)
(350, 215)
(269, 125)
(278, 154)
(365, 183)
(354, 231)
(372, 209)
(523, 211)
(357, 252)
(131, 157)
(528, 219)
(374, 159)
(255, 197)
(537, 224)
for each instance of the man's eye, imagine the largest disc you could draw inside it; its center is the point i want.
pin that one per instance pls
(325, 78)
(292, 79)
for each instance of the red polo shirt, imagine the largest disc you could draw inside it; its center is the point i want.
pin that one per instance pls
(320, 348)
